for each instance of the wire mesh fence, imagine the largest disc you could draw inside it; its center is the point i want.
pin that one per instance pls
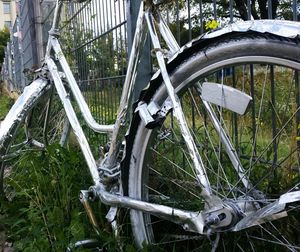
(97, 35)
(97, 50)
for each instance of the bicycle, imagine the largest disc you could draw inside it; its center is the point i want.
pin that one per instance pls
(230, 175)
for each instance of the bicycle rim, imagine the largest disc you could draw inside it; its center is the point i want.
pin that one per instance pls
(266, 139)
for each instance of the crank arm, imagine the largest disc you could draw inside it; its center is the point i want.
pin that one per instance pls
(273, 211)
(84, 199)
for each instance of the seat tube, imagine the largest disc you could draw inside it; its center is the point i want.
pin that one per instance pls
(178, 113)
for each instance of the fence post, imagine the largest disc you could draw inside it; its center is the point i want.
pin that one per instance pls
(144, 66)
(38, 31)
(21, 85)
(33, 35)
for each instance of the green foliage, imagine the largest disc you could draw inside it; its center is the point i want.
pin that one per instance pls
(5, 104)
(186, 27)
(45, 213)
(4, 38)
(95, 58)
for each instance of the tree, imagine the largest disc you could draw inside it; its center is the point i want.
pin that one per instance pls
(258, 12)
(201, 12)
(4, 38)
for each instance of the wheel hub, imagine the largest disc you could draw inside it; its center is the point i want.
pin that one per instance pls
(230, 213)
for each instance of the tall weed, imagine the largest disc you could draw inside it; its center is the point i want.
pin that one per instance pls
(45, 213)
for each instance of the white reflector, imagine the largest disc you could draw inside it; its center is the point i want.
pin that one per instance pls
(225, 96)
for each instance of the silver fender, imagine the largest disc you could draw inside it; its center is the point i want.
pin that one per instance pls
(19, 111)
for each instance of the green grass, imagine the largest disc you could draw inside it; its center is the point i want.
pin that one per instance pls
(45, 213)
(5, 104)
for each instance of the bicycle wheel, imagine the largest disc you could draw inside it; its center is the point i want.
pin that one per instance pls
(266, 139)
(41, 122)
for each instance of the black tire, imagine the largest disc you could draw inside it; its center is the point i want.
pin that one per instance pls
(160, 167)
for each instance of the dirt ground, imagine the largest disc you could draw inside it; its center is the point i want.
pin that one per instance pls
(4, 245)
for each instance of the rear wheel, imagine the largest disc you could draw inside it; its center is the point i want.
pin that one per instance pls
(266, 139)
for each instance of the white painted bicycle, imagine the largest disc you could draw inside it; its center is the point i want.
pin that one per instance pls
(212, 158)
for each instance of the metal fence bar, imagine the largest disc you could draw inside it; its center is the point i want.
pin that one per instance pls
(249, 9)
(98, 47)
(17, 47)
(110, 25)
(295, 10)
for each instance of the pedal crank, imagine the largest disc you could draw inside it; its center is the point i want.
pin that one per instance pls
(85, 197)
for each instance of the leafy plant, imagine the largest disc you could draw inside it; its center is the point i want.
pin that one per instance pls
(45, 213)
(4, 38)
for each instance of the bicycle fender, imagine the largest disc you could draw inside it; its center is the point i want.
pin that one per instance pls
(284, 29)
(20, 109)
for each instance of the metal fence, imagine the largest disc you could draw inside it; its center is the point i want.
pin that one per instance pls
(21, 53)
(95, 39)
(97, 35)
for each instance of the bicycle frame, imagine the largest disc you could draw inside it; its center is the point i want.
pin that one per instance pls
(116, 129)
(110, 166)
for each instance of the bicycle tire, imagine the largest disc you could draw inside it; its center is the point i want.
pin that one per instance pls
(27, 132)
(159, 166)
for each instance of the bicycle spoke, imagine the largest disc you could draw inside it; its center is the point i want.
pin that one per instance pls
(275, 241)
(250, 159)
(220, 167)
